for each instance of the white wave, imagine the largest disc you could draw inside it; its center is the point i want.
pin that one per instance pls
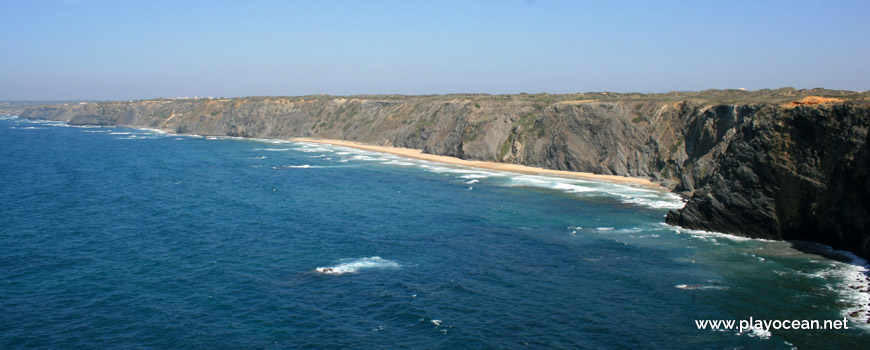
(303, 166)
(8, 117)
(626, 194)
(47, 122)
(95, 131)
(851, 282)
(30, 128)
(611, 230)
(311, 149)
(397, 162)
(446, 169)
(652, 235)
(272, 141)
(706, 235)
(472, 181)
(617, 188)
(273, 149)
(476, 176)
(120, 133)
(655, 203)
(646, 197)
(155, 131)
(700, 287)
(362, 157)
(569, 188)
(346, 266)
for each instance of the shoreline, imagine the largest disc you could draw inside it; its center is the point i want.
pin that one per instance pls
(418, 154)
(514, 168)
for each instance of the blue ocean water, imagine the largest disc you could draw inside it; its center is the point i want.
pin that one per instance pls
(126, 238)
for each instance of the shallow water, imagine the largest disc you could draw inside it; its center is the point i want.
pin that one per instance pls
(130, 238)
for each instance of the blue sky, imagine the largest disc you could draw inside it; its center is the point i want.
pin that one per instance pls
(102, 49)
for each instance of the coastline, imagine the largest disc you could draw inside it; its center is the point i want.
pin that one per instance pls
(514, 168)
(418, 154)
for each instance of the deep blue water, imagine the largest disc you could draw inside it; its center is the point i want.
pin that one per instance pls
(124, 238)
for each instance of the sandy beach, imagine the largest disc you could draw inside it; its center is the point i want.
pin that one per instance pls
(418, 154)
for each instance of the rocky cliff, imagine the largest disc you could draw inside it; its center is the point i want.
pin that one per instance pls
(779, 164)
(787, 173)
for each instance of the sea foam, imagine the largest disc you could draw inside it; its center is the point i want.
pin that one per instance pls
(644, 197)
(273, 149)
(301, 166)
(346, 266)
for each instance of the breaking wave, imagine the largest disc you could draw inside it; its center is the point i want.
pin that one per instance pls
(302, 166)
(346, 266)
(273, 149)
(644, 197)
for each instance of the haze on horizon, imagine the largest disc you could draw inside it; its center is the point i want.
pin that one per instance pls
(112, 50)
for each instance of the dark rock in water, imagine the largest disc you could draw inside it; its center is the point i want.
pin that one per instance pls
(776, 164)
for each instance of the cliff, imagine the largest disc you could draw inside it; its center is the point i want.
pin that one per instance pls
(778, 164)
(789, 173)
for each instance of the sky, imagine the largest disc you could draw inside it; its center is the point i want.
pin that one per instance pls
(118, 50)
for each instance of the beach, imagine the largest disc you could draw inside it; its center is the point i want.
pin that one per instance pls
(516, 168)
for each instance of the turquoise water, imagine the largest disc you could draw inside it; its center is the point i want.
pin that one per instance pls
(125, 238)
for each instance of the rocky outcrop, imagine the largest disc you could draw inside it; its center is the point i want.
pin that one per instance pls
(779, 164)
(789, 173)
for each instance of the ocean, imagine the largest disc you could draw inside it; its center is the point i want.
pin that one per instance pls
(128, 238)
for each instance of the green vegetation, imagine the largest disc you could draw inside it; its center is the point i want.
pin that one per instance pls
(505, 147)
(354, 109)
(527, 120)
(673, 148)
(637, 112)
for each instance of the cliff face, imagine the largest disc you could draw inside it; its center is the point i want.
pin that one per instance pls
(797, 174)
(758, 168)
